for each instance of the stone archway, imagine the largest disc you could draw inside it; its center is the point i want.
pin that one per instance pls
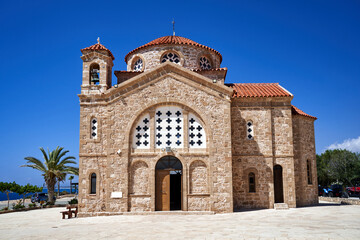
(168, 187)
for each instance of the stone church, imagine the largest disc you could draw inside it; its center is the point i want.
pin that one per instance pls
(171, 135)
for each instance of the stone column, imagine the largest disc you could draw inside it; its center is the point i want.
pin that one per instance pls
(185, 130)
(152, 130)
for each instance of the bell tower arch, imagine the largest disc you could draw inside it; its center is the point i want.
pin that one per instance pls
(97, 69)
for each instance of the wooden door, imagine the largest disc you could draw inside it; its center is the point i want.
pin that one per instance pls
(278, 184)
(162, 190)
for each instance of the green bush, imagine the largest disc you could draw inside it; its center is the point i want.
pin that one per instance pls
(31, 205)
(73, 201)
(18, 205)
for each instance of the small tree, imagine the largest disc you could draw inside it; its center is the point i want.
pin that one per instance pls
(8, 188)
(338, 165)
(26, 189)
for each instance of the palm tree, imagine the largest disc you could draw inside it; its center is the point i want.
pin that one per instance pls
(60, 178)
(53, 168)
(70, 179)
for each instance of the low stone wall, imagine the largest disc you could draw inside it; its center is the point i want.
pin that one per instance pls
(350, 201)
(33, 208)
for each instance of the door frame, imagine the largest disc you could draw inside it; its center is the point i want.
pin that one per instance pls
(278, 184)
(183, 182)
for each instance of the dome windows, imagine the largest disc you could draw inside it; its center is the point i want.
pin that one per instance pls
(138, 65)
(170, 57)
(204, 63)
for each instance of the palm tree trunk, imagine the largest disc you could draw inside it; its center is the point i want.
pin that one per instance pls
(51, 189)
(58, 183)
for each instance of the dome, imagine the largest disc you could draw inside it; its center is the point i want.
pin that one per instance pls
(176, 40)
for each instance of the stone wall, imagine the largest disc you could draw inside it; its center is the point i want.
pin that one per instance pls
(189, 55)
(304, 150)
(272, 144)
(198, 177)
(117, 112)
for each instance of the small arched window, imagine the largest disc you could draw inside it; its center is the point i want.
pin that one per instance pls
(94, 128)
(249, 130)
(138, 65)
(309, 174)
(252, 182)
(93, 183)
(170, 57)
(205, 63)
(94, 74)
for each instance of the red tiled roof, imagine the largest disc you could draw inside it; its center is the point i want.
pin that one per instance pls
(173, 40)
(258, 90)
(100, 47)
(297, 111)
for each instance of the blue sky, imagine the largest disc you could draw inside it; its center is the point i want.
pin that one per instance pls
(312, 48)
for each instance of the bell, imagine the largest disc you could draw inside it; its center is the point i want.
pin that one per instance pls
(94, 77)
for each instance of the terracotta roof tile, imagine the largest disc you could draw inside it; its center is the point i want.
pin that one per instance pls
(100, 47)
(258, 90)
(172, 40)
(297, 111)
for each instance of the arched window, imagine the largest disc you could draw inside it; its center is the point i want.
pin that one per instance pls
(93, 183)
(94, 127)
(205, 63)
(138, 65)
(171, 57)
(252, 182)
(94, 74)
(249, 130)
(169, 130)
(309, 174)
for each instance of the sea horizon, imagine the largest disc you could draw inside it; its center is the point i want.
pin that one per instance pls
(15, 196)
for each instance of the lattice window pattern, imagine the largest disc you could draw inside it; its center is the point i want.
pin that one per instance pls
(94, 128)
(169, 127)
(138, 65)
(141, 134)
(205, 63)
(197, 136)
(250, 130)
(171, 57)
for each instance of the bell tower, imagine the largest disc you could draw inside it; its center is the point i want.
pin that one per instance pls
(97, 69)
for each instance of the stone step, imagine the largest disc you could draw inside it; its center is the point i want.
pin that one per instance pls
(171, 213)
(281, 206)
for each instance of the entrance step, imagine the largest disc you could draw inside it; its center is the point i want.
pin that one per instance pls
(171, 213)
(281, 206)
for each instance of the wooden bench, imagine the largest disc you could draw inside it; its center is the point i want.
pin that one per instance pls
(70, 211)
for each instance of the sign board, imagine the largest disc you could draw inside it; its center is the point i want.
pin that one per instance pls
(116, 195)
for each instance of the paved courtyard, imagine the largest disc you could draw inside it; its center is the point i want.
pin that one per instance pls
(326, 221)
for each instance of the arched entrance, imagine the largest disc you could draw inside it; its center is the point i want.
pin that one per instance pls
(168, 172)
(278, 184)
